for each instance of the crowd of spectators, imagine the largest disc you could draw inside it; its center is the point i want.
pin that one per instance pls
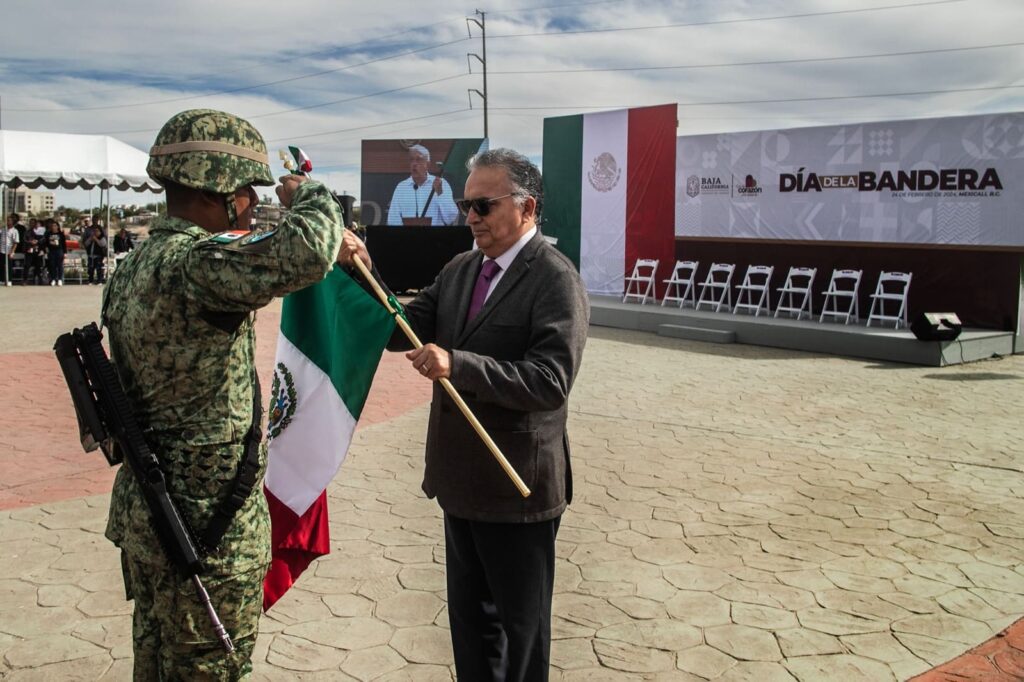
(35, 254)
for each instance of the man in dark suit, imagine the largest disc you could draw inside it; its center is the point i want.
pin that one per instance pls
(506, 324)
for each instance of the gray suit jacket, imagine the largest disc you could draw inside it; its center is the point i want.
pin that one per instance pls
(514, 365)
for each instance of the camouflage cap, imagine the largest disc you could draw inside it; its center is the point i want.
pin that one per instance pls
(209, 150)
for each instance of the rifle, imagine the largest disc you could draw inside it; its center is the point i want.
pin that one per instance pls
(106, 421)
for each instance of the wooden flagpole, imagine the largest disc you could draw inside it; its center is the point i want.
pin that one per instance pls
(463, 407)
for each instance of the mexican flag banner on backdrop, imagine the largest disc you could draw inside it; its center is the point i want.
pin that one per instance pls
(609, 192)
(332, 336)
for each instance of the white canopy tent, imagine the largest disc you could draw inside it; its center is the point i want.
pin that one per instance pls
(53, 160)
(67, 161)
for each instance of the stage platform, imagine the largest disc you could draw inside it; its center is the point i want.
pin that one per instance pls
(854, 340)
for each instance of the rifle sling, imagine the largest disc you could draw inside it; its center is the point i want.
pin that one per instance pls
(245, 478)
(248, 468)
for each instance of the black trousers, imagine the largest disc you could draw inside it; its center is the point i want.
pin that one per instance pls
(500, 580)
(55, 265)
(96, 268)
(33, 264)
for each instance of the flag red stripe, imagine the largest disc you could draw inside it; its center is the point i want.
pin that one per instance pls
(295, 542)
(650, 189)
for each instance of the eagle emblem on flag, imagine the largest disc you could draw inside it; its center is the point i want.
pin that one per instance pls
(605, 173)
(282, 402)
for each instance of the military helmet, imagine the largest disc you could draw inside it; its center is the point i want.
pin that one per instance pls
(209, 150)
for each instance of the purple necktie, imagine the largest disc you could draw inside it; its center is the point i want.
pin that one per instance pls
(489, 269)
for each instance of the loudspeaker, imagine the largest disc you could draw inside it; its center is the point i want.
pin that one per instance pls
(936, 326)
(347, 203)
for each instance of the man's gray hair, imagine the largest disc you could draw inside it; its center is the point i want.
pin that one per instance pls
(522, 173)
(421, 150)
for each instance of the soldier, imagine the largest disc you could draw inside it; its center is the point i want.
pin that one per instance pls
(180, 315)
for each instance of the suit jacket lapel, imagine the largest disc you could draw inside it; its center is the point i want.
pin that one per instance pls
(465, 284)
(520, 266)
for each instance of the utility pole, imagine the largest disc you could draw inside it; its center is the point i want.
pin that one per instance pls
(482, 23)
(3, 187)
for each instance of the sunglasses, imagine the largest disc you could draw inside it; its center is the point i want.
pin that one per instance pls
(482, 206)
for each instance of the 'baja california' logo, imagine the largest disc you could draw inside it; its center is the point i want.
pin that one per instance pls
(605, 173)
(282, 401)
(692, 186)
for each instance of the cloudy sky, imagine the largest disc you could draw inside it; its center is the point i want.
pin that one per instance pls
(324, 74)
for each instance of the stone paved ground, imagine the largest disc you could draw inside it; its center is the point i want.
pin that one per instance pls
(741, 513)
(1000, 659)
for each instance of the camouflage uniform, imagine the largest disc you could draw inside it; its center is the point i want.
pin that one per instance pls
(191, 384)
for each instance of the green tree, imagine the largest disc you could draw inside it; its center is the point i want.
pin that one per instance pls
(67, 215)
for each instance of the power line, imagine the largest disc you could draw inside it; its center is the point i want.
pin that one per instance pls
(838, 97)
(153, 130)
(260, 64)
(760, 63)
(771, 101)
(521, 10)
(306, 108)
(729, 21)
(626, 106)
(375, 125)
(358, 97)
(353, 142)
(249, 87)
(326, 165)
(847, 116)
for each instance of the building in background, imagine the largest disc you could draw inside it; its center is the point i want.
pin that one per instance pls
(28, 201)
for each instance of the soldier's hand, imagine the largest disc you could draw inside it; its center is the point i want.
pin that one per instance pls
(352, 247)
(286, 190)
(438, 186)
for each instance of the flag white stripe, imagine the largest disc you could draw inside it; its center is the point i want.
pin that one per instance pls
(603, 213)
(321, 430)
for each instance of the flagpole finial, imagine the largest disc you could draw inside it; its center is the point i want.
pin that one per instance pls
(286, 160)
(299, 163)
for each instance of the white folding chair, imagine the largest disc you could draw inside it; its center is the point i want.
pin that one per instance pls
(892, 288)
(683, 275)
(17, 267)
(756, 282)
(644, 272)
(75, 265)
(716, 289)
(844, 286)
(797, 288)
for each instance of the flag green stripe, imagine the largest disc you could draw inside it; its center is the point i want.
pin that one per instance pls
(563, 178)
(339, 308)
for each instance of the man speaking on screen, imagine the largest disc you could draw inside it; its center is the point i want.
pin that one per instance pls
(422, 198)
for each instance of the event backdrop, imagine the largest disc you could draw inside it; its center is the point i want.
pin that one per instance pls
(932, 181)
(385, 170)
(608, 191)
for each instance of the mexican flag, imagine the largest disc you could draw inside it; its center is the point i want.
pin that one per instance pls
(332, 336)
(609, 192)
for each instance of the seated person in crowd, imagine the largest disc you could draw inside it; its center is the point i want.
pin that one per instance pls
(123, 242)
(34, 237)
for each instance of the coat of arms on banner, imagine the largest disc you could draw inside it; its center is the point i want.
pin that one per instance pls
(605, 173)
(692, 186)
(283, 399)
